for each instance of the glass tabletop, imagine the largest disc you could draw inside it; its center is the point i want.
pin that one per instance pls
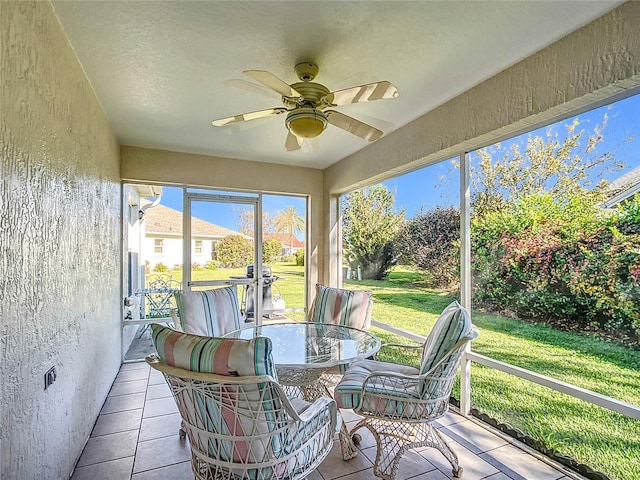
(313, 345)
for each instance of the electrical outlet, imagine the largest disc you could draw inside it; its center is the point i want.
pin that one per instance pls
(50, 377)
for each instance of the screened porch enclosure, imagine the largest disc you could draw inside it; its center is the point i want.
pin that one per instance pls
(64, 169)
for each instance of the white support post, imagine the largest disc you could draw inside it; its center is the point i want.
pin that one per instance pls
(465, 277)
(186, 240)
(257, 264)
(335, 240)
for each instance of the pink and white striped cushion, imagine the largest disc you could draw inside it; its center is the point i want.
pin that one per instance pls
(212, 312)
(351, 308)
(222, 356)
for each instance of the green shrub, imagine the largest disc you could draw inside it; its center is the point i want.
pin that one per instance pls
(271, 251)
(567, 263)
(212, 265)
(299, 257)
(160, 267)
(234, 251)
(629, 212)
(430, 242)
(289, 259)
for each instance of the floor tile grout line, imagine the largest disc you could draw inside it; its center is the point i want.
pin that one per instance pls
(501, 467)
(161, 467)
(144, 405)
(462, 441)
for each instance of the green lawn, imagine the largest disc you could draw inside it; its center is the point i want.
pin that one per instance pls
(605, 441)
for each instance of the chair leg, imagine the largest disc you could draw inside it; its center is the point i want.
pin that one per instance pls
(393, 439)
(348, 447)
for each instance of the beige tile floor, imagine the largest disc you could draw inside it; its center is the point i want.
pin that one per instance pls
(136, 438)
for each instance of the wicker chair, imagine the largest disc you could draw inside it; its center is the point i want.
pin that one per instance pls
(351, 308)
(399, 402)
(241, 426)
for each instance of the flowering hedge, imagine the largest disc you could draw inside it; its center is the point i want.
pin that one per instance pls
(568, 263)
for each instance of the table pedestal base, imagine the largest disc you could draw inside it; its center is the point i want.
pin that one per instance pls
(306, 383)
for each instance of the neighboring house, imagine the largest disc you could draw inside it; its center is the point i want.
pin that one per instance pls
(623, 188)
(163, 238)
(290, 243)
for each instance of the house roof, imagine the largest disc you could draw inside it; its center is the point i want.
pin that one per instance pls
(161, 220)
(623, 187)
(285, 239)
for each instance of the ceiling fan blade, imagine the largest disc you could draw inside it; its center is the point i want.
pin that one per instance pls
(292, 143)
(243, 117)
(251, 87)
(353, 126)
(362, 93)
(313, 144)
(273, 82)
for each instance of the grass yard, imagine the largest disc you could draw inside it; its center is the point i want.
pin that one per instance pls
(604, 440)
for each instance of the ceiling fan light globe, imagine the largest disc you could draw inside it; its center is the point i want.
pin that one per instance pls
(307, 127)
(306, 122)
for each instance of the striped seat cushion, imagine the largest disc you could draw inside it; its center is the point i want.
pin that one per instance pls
(351, 308)
(222, 356)
(212, 312)
(380, 399)
(453, 324)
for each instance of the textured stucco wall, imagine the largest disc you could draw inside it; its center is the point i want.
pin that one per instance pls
(60, 248)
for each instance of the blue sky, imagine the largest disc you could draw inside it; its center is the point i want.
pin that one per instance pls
(426, 189)
(227, 215)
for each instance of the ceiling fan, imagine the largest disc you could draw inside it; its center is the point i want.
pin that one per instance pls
(307, 105)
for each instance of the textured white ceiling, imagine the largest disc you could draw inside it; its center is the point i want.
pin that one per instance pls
(164, 70)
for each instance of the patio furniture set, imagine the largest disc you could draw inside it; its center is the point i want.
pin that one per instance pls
(264, 401)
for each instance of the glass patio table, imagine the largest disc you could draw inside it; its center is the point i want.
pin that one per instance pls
(302, 352)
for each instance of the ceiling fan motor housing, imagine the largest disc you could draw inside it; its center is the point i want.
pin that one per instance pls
(311, 93)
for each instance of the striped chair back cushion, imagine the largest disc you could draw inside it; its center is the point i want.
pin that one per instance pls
(222, 356)
(351, 308)
(211, 312)
(453, 324)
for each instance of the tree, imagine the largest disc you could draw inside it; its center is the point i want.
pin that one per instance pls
(246, 225)
(289, 221)
(543, 248)
(234, 251)
(547, 165)
(369, 226)
(430, 241)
